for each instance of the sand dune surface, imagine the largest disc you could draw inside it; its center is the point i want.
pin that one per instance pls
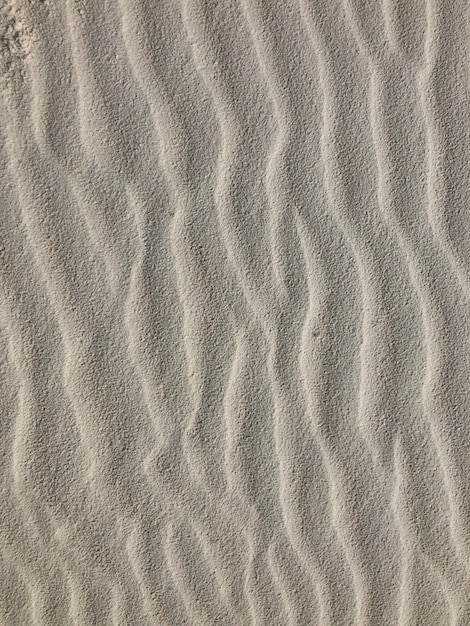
(235, 312)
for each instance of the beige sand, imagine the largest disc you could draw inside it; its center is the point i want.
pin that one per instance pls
(235, 272)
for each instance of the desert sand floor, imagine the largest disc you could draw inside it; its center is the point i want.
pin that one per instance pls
(235, 312)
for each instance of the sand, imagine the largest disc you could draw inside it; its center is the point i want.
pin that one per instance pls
(235, 325)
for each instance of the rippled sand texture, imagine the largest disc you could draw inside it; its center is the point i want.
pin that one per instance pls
(235, 272)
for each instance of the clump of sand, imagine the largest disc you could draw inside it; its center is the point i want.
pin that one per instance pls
(16, 39)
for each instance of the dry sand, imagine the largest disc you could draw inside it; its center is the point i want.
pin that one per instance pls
(235, 326)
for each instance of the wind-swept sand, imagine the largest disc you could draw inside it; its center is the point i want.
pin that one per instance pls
(235, 325)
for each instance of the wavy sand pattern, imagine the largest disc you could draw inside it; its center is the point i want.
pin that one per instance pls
(235, 321)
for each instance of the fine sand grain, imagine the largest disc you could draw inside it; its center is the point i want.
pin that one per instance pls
(235, 312)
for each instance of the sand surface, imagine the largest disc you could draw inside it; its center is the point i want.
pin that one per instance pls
(235, 312)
